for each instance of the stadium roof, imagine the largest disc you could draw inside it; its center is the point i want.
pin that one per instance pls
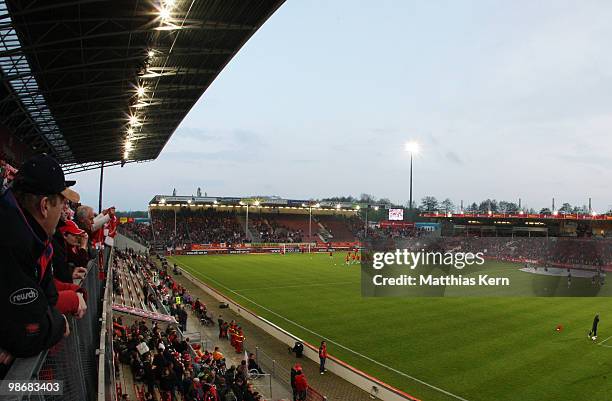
(257, 201)
(71, 71)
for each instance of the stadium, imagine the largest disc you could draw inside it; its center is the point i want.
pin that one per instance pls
(240, 296)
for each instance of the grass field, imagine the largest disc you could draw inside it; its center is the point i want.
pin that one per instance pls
(476, 349)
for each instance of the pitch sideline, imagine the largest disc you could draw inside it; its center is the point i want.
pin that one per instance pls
(448, 393)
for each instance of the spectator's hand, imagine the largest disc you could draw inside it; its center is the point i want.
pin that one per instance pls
(84, 238)
(5, 357)
(82, 306)
(66, 327)
(78, 272)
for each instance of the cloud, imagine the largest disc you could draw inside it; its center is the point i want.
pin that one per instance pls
(383, 131)
(453, 157)
(198, 145)
(197, 133)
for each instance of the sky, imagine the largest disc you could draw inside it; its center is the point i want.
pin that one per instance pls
(507, 100)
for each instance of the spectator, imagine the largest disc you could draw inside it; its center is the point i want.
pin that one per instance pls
(69, 252)
(91, 224)
(30, 212)
(252, 364)
(294, 372)
(301, 386)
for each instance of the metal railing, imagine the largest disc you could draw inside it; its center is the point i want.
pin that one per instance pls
(282, 375)
(74, 360)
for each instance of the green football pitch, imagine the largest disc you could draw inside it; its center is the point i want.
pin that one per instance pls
(475, 349)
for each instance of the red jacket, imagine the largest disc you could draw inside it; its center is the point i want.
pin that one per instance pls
(68, 301)
(323, 351)
(300, 382)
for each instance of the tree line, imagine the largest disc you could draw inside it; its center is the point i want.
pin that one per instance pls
(432, 204)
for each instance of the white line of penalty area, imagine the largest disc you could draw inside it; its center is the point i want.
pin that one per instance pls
(448, 393)
(603, 341)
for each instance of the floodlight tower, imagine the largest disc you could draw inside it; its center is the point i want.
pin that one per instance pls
(255, 203)
(310, 205)
(411, 147)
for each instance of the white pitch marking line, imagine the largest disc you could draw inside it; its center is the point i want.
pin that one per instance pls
(296, 286)
(602, 342)
(399, 372)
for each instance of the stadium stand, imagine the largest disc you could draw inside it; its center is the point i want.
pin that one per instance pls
(209, 226)
(295, 227)
(270, 229)
(552, 251)
(170, 228)
(139, 232)
(201, 227)
(156, 358)
(338, 228)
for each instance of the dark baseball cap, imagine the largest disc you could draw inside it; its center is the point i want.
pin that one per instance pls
(42, 175)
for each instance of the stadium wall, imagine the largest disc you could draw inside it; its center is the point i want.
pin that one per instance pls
(342, 369)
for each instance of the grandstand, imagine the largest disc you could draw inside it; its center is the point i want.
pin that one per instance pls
(523, 224)
(185, 222)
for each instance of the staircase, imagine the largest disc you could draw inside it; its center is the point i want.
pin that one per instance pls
(323, 233)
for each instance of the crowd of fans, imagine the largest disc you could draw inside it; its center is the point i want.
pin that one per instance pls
(141, 232)
(167, 364)
(552, 250)
(272, 231)
(210, 226)
(170, 228)
(196, 227)
(47, 241)
(170, 367)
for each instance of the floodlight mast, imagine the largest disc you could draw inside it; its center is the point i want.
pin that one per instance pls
(412, 148)
(310, 206)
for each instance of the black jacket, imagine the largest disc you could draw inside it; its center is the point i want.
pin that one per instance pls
(31, 323)
(62, 270)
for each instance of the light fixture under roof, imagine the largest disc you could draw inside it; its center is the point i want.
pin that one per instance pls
(133, 120)
(164, 13)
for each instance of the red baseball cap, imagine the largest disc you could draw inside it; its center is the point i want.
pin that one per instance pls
(70, 227)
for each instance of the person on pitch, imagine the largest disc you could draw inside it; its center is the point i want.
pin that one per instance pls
(593, 332)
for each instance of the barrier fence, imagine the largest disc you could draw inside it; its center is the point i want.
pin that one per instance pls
(74, 360)
(282, 374)
(106, 362)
